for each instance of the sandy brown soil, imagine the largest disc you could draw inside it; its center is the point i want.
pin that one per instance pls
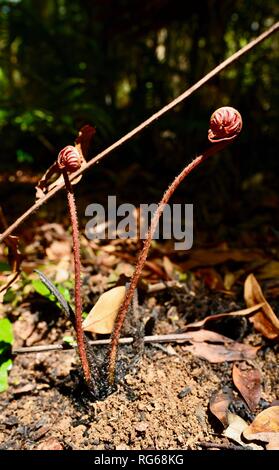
(164, 402)
(163, 405)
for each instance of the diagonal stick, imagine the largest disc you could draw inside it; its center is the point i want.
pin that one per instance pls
(145, 123)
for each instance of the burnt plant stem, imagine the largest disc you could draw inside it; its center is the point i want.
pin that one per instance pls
(78, 299)
(144, 252)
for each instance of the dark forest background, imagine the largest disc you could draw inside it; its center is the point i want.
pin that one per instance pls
(114, 63)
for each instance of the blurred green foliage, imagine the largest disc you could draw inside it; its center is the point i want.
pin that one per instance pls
(6, 340)
(64, 63)
(41, 289)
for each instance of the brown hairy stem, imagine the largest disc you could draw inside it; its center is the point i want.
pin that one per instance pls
(144, 252)
(234, 57)
(78, 300)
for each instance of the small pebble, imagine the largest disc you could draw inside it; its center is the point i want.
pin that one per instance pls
(184, 392)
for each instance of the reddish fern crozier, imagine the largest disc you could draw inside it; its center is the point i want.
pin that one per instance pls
(69, 160)
(225, 125)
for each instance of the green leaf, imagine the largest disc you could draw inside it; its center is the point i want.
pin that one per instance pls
(9, 296)
(65, 292)
(40, 288)
(4, 266)
(24, 157)
(6, 331)
(70, 340)
(4, 368)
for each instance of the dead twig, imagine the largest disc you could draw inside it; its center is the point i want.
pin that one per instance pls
(144, 124)
(159, 286)
(171, 338)
(212, 445)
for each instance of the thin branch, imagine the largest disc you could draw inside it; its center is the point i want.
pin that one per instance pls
(171, 338)
(228, 446)
(159, 286)
(144, 124)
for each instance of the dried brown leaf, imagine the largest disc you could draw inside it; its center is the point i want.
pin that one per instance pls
(102, 316)
(59, 250)
(14, 255)
(232, 351)
(269, 271)
(218, 405)
(265, 321)
(265, 427)
(225, 348)
(219, 255)
(247, 380)
(169, 268)
(218, 316)
(211, 278)
(201, 336)
(236, 428)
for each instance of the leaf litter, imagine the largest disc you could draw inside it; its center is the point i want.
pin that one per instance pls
(213, 346)
(247, 380)
(265, 428)
(265, 321)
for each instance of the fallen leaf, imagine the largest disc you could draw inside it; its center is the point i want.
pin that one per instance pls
(219, 404)
(14, 258)
(226, 349)
(102, 316)
(59, 250)
(269, 271)
(265, 321)
(219, 255)
(232, 351)
(201, 336)
(218, 316)
(236, 428)
(265, 427)
(169, 268)
(247, 380)
(229, 280)
(211, 278)
(14, 255)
